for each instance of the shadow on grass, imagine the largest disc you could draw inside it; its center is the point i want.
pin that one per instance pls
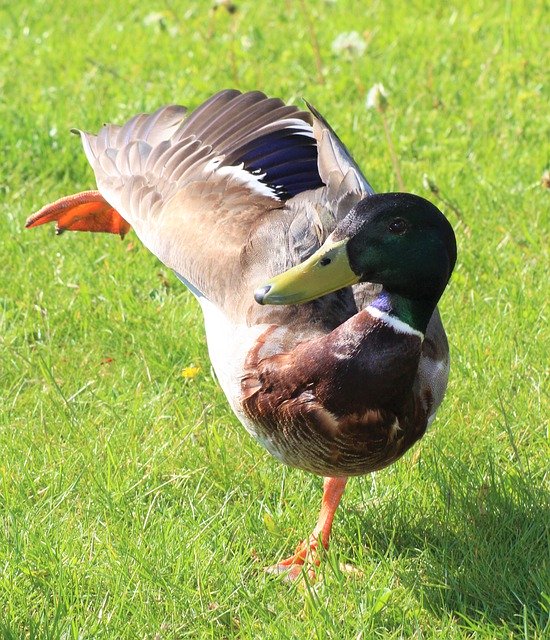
(483, 555)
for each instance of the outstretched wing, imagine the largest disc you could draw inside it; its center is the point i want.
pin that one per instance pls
(241, 189)
(195, 189)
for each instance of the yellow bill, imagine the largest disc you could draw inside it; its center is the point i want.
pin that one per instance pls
(327, 270)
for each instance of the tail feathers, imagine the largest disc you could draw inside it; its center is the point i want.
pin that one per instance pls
(86, 211)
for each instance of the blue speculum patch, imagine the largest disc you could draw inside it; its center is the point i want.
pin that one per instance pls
(287, 158)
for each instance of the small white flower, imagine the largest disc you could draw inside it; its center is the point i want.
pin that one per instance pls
(377, 98)
(154, 19)
(247, 43)
(350, 44)
(160, 22)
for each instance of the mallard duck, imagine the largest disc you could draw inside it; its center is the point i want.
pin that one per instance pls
(319, 296)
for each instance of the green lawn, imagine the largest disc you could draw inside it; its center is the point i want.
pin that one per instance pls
(132, 503)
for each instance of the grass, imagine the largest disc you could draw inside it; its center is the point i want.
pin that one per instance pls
(132, 504)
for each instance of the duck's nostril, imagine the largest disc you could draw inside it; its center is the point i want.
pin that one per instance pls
(261, 293)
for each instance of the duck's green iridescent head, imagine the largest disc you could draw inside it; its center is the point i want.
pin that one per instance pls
(398, 240)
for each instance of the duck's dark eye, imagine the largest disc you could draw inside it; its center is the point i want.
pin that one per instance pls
(398, 227)
(325, 261)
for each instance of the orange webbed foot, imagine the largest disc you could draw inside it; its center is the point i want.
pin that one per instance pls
(86, 211)
(307, 557)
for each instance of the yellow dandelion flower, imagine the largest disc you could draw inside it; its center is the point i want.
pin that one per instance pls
(190, 372)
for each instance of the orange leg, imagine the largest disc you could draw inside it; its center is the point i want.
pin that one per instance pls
(306, 552)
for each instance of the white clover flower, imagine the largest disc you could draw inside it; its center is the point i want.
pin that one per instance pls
(349, 44)
(377, 98)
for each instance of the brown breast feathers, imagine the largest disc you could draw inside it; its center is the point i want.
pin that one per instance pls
(341, 404)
